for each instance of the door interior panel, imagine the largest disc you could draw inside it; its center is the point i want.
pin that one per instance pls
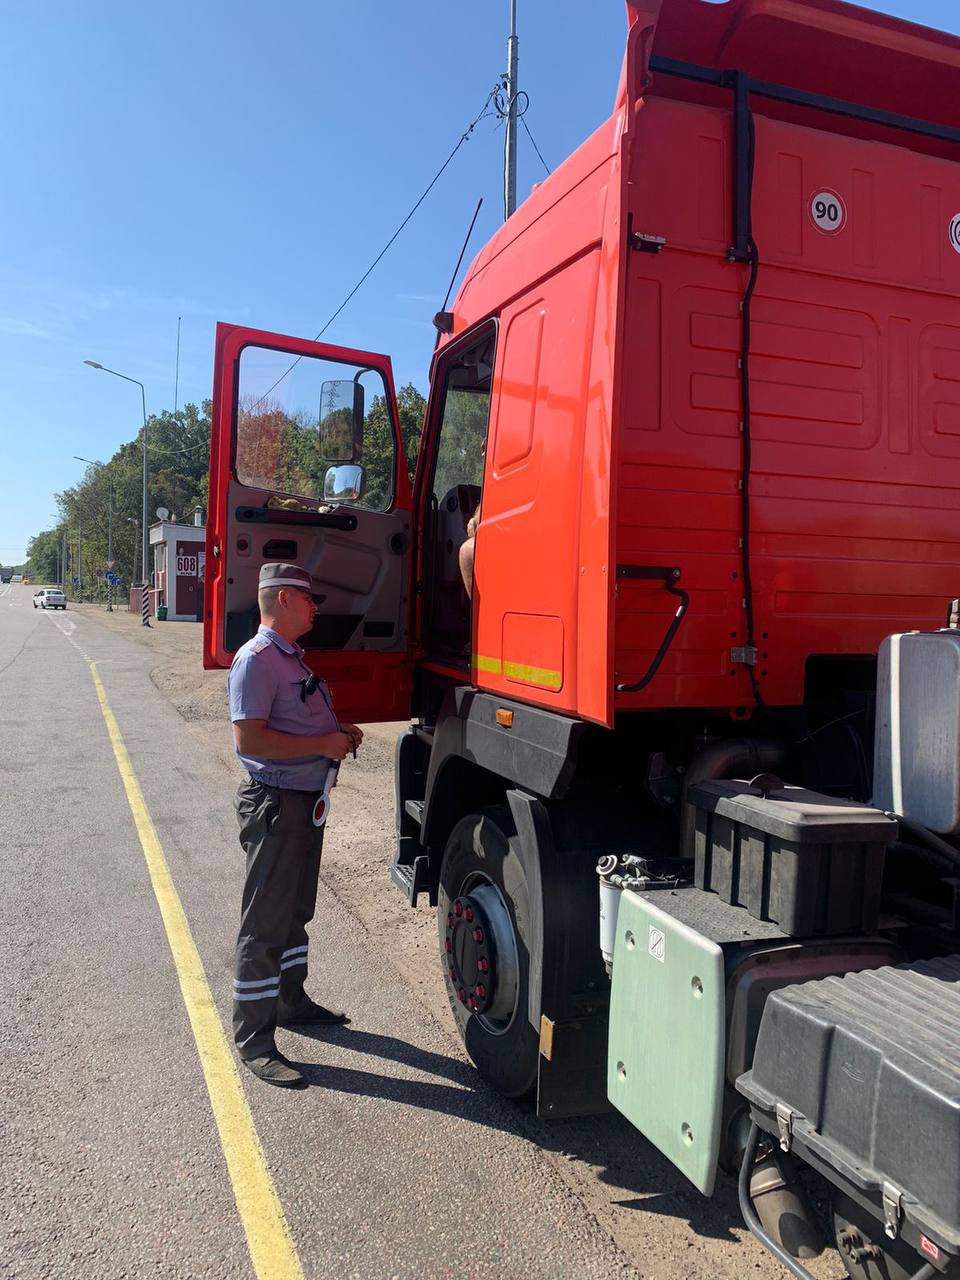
(355, 573)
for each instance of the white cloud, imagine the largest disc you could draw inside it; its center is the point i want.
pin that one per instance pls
(22, 328)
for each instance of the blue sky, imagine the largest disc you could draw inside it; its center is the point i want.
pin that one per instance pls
(246, 162)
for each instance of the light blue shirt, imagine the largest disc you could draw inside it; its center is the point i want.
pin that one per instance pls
(265, 683)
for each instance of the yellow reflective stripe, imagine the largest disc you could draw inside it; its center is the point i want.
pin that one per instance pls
(492, 665)
(533, 675)
(542, 676)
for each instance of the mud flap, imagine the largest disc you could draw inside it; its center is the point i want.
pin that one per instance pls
(568, 988)
(665, 1063)
(570, 1078)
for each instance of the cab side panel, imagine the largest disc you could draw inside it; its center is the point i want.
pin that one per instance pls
(854, 365)
(547, 465)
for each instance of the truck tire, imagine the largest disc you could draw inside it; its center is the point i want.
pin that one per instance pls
(484, 912)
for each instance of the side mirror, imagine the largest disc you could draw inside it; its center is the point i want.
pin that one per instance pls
(341, 420)
(343, 483)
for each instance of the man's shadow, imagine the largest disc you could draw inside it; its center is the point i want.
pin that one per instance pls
(620, 1156)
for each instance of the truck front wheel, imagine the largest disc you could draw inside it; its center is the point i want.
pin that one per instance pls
(484, 913)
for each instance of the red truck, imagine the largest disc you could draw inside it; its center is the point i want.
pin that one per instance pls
(704, 691)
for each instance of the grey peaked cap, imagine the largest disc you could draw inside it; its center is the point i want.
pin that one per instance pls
(284, 575)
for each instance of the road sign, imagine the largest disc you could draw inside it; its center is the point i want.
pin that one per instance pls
(111, 563)
(99, 573)
(113, 579)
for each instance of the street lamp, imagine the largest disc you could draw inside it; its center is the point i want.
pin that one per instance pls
(144, 550)
(91, 463)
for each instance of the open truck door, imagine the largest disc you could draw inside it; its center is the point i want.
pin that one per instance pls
(307, 466)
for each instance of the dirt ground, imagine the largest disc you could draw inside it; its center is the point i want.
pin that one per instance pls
(666, 1227)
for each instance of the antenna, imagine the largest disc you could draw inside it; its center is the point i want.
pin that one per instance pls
(510, 137)
(473, 222)
(176, 376)
(442, 320)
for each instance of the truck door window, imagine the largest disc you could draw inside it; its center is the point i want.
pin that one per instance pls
(456, 489)
(299, 418)
(463, 430)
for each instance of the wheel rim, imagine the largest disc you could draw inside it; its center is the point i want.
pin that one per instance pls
(480, 954)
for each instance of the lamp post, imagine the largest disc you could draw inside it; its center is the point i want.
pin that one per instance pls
(91, 463)
(144, 549)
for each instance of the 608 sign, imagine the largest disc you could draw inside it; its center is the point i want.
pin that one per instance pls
(827, 211)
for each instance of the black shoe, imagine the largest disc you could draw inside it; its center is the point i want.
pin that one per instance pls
(309, 1014)
(273, 1068)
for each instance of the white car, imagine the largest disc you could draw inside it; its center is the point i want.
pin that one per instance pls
(49, 598)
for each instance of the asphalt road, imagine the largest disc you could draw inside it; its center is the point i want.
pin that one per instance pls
(396, 1162)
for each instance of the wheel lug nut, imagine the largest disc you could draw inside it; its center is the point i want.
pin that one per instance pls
(462, 996)
(478, 935)
(468, 913)
(453, 973)
(450, 920)
(449, 946)
(471, 1003)
(481, 990)
(458, 908)
(483, 964)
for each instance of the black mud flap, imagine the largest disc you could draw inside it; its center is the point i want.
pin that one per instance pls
(572, 1079)
(569, 991)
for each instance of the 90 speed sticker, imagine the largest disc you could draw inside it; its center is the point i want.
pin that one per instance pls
(828, 211)
(955, 233)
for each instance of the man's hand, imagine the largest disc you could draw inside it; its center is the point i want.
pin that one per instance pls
(336, 745)
(355, 732)
(253, 738)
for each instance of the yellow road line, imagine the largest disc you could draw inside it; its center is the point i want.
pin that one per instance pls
(272, 1250)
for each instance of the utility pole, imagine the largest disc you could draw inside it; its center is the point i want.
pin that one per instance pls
(110, 559)
(510, 138)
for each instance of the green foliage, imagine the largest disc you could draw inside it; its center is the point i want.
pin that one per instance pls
(283, 451)
(462, 436)
(378, 447)
(178, 451)
(43, 561)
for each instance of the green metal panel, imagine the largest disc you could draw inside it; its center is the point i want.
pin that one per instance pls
(665, 1067)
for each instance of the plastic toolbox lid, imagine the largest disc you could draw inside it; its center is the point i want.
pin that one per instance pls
(795, 814)
(864, 1071)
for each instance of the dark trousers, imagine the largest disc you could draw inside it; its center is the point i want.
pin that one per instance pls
(279, 898)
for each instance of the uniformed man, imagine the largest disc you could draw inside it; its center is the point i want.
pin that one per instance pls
(288, 739)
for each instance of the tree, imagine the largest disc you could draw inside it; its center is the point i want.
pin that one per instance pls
(276, 450)
(178, 452)
(43, 556)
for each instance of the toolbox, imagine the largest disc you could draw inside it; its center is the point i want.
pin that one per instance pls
(809, 863)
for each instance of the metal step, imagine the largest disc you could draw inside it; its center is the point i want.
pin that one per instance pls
(415, 809)
(411, 877)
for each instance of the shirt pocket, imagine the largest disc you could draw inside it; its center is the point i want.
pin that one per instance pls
(288, 703)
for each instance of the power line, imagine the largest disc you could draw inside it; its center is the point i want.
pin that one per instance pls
(464, 137)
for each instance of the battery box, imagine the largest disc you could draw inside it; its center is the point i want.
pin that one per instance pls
(861, 1075)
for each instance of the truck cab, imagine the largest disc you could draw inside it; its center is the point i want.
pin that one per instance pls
(699, 395)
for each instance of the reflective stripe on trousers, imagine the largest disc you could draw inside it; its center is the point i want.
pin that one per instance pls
(282, 848)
